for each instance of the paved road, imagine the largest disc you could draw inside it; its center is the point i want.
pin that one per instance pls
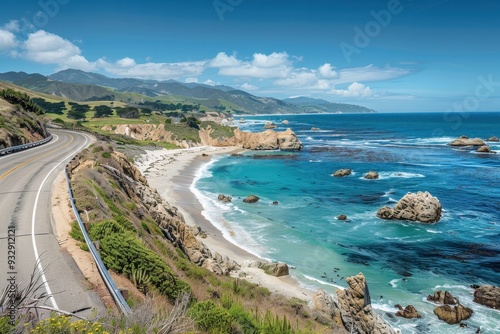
(26, 178)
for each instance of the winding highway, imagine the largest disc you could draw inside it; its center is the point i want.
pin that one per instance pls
(26, 225)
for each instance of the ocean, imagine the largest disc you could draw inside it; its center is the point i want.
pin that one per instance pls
(403, 261)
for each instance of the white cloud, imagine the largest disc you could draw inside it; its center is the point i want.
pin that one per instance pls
(158, 71)
(355, 89)
(47, 48)
(298, 79)
(247, 86)
(327, 72)
(126, 62)
(211, 83)
(273, 66)
(12, 26)
(191, 80)
(371, 73)
(223, 60)
(7, 40)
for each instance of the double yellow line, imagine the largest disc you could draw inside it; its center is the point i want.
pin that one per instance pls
(4, 175)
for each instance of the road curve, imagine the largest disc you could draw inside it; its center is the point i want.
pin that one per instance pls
(26, 178)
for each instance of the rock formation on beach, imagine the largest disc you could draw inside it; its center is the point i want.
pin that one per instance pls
(356, 310)
(466, 141)
(342, 172)
(488, 295)
(421, 207)
(277, 269)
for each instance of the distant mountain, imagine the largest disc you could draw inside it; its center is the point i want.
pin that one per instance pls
(312, 105)
(84, 86)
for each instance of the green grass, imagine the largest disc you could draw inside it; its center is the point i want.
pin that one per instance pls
(182, 131)
(220, 131)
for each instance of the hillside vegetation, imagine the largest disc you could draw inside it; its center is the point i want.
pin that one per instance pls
(19, 123)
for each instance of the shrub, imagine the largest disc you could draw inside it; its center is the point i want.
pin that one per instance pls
(106, 155)
(210, 317)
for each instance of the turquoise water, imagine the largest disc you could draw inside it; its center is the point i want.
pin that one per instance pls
(403, 261)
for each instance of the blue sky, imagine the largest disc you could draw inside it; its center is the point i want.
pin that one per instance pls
(392, 55)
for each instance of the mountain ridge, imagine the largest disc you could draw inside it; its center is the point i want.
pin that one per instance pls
(85, 86)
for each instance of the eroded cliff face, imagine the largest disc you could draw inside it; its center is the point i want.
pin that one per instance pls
(106, 185)
(265, 140)
(18, 127)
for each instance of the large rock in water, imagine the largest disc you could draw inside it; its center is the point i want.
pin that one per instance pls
(453, 315)
(441, 297)
(251, 199)
(409, 312)
(488, 295)
(342, 172)
(465, 141)
(356, 309)
(493, 138)
(485, 149)
(421, 207)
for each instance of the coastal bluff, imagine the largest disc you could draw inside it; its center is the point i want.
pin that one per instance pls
(265, 140)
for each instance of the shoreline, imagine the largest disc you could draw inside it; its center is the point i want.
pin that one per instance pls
(172, 173)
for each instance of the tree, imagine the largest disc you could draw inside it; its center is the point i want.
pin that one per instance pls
(102, 111)
(127, 112)
(78, 111)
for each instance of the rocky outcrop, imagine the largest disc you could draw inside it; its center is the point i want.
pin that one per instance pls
(441, 297)
(488, 295)
(270, 125)
(409, 312)
(371, 175)
(421, 207)
(466, 141)
(493, 138)
(277, 269)
(327, 306)
(285, 122)
(453, 315)
(342, 217)
(251, 199)
(342, 173)
(266, 140)
(356, 310)
(224, 198)
(147, 132)
(485, 149)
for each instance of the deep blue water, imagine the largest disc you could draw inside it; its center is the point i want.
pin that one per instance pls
(403, 261)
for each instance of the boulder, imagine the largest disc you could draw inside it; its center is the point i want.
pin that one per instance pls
(371, 175)
(485, 149)
(493, 138)
(465, 141)
(224, 198)
(356, 310)
(288, 141)
(342, 172)
(327, 305)
(284, 122)
(421, 207)
(342, 217)
(276, 202)
(274, 269)
(315, 129)
(488, 295)
(251, 199)
(453, 315)
(441, 297)
(270, 125)
(409, 312)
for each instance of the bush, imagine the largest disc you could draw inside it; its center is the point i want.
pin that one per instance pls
(211, 318)
(61, 324)
(106, 155)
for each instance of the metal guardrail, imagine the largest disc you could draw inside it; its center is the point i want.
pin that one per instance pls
(108, 281)
(13, 149)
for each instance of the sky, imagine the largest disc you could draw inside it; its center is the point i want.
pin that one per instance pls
(390, 55)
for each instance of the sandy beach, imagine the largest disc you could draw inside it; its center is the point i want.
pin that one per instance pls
(172, 172)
